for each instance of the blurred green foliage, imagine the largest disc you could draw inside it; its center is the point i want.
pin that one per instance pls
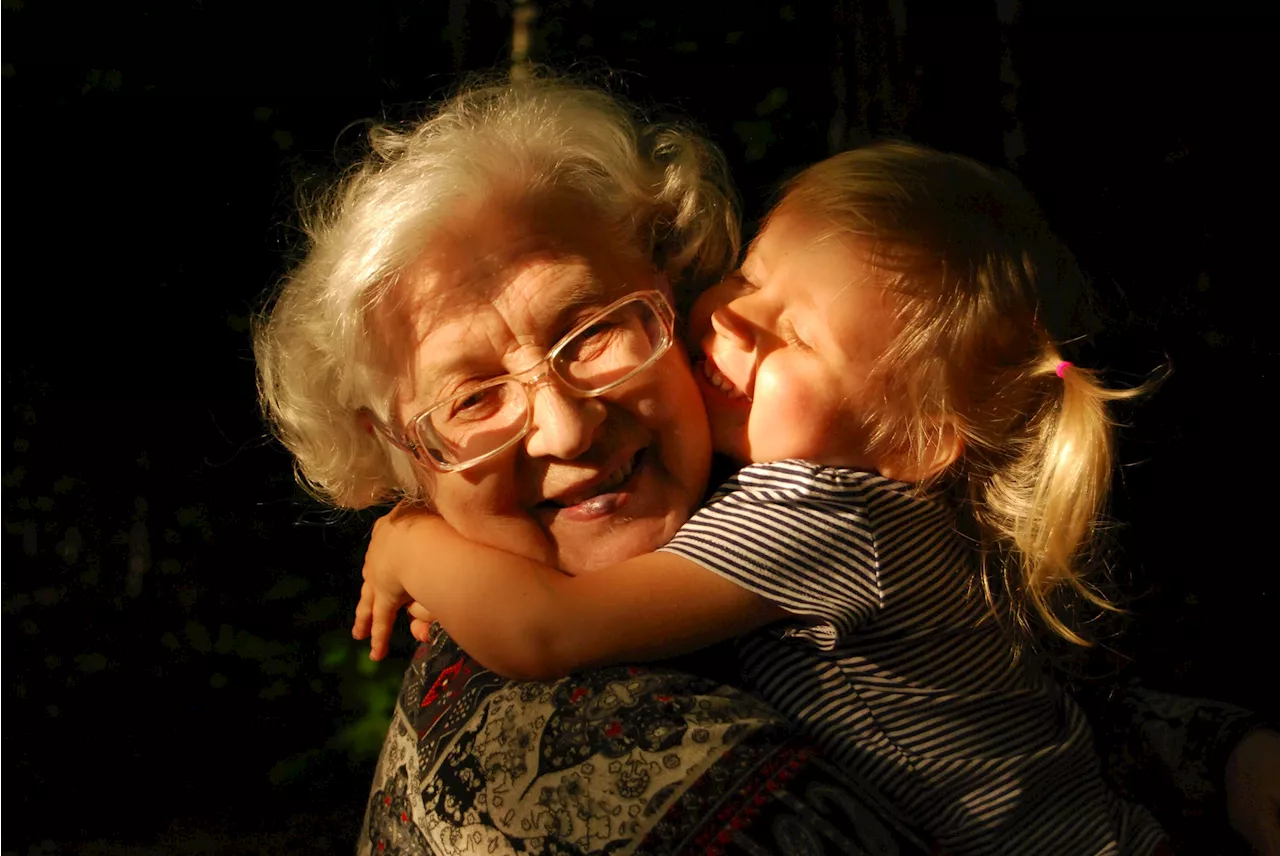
(168, 585)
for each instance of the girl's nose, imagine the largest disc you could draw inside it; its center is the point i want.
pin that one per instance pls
(731, 326)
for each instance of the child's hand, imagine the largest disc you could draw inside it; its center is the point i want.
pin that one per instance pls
(420, 623)
(390, 554)
(376, 611)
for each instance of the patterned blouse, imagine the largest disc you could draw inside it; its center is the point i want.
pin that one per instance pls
(756, 790)
(621, 760)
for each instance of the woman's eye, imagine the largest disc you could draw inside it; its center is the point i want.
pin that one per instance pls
(593, 340)
(596, 330)
(474, 405)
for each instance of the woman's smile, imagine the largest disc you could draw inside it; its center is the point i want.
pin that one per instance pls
(599, 497)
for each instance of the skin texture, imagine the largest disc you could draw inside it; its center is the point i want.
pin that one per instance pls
(548, 623)
(488, 297)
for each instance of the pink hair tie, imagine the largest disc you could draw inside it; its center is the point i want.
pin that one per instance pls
(1062, 368)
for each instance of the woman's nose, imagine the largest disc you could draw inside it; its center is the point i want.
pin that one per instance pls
(564, 425)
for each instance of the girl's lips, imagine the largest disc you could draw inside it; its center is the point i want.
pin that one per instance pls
(713, 395)
(712, 372)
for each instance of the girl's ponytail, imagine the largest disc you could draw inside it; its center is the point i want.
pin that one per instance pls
(1050, 519)
(981, 287)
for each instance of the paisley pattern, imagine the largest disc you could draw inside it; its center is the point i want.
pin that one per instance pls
(621, 760)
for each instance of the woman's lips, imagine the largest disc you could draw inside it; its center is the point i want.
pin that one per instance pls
(602, 500)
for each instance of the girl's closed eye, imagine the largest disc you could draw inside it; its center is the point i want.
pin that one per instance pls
(788, 333)
(741, 283)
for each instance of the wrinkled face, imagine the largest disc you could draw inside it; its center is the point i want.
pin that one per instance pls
(596, 480)
(788, 346)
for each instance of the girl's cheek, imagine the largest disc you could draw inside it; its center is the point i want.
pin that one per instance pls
(793, 403)
(783, 385)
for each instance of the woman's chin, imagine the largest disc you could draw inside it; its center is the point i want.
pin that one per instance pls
(625, 541)
(612, 528)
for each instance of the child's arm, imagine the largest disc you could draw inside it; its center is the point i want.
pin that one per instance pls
(528, 621)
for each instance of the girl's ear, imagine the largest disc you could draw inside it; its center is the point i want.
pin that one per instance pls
(943, 450)
(947, 450)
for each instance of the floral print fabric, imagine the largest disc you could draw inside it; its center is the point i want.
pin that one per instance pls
(621, 760)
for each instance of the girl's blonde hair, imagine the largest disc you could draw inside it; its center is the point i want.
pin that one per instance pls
(662, 191)
(980, 284)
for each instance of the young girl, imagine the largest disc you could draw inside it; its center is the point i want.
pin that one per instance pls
(926, 471)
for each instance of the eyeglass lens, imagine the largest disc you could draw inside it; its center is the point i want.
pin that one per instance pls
(610, 350)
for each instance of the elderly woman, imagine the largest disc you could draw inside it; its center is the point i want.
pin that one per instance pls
(489, 245)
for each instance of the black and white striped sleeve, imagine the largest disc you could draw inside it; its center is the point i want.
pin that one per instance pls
(802, 542)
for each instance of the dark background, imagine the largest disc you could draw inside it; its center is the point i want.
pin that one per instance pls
(178, 673)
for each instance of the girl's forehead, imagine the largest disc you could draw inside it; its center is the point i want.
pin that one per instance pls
(793, 239)
(789, 230)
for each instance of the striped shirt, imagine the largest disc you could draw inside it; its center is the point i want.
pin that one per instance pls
(895, 667)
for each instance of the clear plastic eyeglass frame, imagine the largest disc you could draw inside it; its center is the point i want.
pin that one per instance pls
(413, 439)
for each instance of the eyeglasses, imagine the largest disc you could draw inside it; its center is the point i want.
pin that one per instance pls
(600, 354)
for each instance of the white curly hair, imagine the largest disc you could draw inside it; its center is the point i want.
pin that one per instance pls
(662, 188)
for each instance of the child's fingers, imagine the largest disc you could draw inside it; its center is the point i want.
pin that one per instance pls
(421, 629)
(364, 612)
(383, 619)
(420, 625)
